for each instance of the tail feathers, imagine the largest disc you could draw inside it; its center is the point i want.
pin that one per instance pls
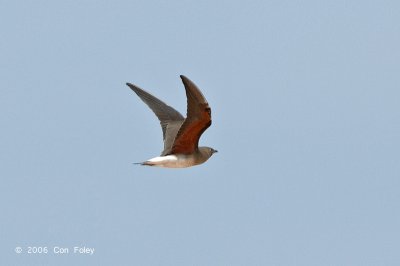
(145, 163)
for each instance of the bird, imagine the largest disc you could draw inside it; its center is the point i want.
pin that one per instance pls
(181, 135)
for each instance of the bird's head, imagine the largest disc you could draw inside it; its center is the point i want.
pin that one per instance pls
(207, 151)
(213, 151)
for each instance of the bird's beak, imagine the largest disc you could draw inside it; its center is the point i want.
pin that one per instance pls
(215, 151)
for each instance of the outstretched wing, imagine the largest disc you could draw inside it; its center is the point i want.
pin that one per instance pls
(197, 121)
(170, 119)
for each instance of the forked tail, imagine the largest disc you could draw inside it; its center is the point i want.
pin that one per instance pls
(145, 163)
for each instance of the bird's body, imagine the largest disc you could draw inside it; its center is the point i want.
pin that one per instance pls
(181, 135)
(180, 160)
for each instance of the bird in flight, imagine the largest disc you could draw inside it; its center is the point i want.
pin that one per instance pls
(181, 135)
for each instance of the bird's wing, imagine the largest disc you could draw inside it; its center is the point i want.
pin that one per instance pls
(197, 121)
(170, 119)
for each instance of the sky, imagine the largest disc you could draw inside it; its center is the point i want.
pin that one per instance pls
(305, 105)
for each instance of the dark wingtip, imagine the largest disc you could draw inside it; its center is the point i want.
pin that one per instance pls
(132, 87)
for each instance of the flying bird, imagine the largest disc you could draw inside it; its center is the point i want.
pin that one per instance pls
(181, 135)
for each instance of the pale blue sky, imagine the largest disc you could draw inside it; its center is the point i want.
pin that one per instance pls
(305, 99)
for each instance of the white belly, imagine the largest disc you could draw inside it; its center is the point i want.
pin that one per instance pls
(171, 161)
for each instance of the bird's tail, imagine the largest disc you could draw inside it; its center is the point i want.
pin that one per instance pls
(145, 163)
